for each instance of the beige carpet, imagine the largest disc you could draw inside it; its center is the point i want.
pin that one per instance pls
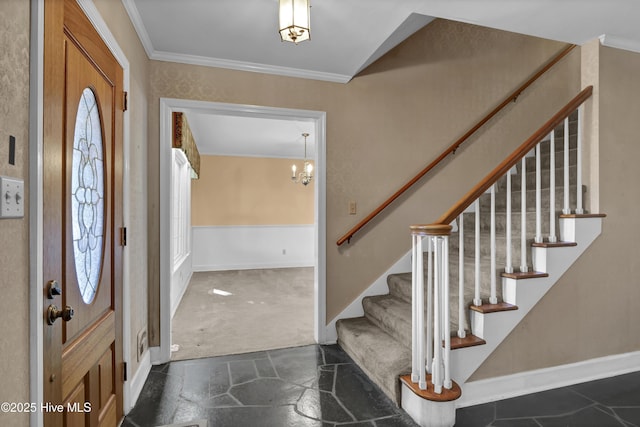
(240, 311)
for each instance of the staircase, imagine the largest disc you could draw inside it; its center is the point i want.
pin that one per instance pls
(381, 341)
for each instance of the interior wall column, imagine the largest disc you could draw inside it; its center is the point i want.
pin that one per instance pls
(590, 75)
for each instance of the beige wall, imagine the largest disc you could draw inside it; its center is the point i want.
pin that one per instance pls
(384, 126)
(593, 310)
(249, 191)
(14, 250)
(117, 19)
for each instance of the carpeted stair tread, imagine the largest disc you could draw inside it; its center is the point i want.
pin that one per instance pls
(379, 355)
(390, 314)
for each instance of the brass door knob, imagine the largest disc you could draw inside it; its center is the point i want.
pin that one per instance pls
(53, 313)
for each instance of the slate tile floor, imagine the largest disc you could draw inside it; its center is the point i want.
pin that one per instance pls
(611, 402)
(301, 386)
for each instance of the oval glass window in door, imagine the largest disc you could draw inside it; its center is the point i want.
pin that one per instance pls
(87, 196)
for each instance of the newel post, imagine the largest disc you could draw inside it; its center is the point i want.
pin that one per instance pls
(428, 393)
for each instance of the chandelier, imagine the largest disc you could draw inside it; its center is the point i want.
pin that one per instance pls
(294, 20)
(306, 174)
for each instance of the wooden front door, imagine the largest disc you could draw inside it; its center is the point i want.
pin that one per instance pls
(82, 260)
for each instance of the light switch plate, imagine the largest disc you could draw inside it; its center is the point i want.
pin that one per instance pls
(11, 197)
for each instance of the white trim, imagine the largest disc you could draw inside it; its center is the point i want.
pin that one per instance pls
(162, 354)
(505, 387)
(36, 196)
(138, 380)
(355, 309)
(136, 20)
(249, 66)
(108, 38)
(36, 304)
(619, 43)
(252, 266)
(184, 267)
(134, 15)
(253, 226)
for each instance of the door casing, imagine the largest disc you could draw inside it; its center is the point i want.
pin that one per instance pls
(162, 354)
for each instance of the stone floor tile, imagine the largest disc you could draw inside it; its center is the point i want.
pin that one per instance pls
(587, 417)
(267, 392)
(623, 390)
(325, 380)
(242, 371)
(357, 393)
(402, 420)
(476, 416)
(276, 416)
(630, 415)
(298, 365)
(322, 406)
(158, 399)
(220, 401)
(525, 422)
(333, 354)
(548, 403)
(265, 368)
(188, 411)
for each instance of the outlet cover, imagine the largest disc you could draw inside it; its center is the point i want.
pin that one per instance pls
(11, 197)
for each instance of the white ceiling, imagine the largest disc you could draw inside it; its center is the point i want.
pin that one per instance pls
(225, 135)
(346, 37)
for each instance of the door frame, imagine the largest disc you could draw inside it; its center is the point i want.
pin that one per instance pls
(36, 235)
(162, 354)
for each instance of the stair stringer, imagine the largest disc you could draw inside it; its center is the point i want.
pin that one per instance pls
(525, 293)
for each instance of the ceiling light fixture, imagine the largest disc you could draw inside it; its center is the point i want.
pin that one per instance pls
(307, 170)
(295, 20)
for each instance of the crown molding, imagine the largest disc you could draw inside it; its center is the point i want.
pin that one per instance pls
(249, 66)
(619, 43)
(136, 20)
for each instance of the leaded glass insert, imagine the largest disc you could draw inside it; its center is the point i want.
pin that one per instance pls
(87, 196)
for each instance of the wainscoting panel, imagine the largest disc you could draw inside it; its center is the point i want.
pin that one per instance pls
(246, 247)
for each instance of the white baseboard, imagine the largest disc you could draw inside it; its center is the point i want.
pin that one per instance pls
(252, 266)
(379, 287)
(505, 387)
(136, 383)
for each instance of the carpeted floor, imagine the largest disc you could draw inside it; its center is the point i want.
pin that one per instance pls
(240, 311)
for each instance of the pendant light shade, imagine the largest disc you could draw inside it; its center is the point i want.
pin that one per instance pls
(295, 20)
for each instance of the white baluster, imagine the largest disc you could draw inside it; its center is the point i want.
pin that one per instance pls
(538, 237)
(446, 320)
(579, 207)
(476, 300)
(422, 375)
(493, 299)
(523, 217)
(430, 303)
(461, 316)
(552, 187)
(566, 209)
(415, 303)
(508, 264)
(436, 370)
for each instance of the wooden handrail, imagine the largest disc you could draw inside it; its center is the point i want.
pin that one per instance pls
(514, 158)
(512, 97)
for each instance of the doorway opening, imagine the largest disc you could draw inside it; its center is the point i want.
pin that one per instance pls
(215, 275)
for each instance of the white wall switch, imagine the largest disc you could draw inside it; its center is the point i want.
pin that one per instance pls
(11, 197)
